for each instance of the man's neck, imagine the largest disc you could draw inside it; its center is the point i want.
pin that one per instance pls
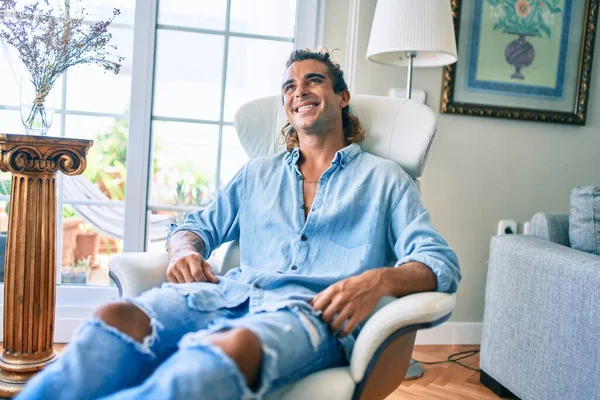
(318, 151)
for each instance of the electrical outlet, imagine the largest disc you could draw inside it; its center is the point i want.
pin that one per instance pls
(507, 227)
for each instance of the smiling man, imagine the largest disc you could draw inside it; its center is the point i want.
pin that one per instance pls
(318, 225)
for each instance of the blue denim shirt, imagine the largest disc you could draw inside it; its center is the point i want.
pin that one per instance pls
(366, 214)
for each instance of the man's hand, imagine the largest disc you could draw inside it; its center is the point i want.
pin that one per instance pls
(351, 299)
(186, 263)
(189, 266)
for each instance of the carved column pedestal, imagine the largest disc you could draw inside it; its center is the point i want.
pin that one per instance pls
(30, 267)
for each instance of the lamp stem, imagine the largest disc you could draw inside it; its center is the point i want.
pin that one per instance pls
(411, 55)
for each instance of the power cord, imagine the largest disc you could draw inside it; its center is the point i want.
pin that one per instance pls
(455, 358)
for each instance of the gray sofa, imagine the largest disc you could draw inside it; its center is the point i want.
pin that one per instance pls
(541, 327)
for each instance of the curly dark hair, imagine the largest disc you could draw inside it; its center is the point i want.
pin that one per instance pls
(353, 131)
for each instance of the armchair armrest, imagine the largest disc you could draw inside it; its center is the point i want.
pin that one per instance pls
(540, 295)
(135, 273)
(408, 313)
(552, 227)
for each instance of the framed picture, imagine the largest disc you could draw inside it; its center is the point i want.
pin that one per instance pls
(522, 59)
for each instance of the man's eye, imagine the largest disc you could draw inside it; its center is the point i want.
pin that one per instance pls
(287, 88)
(314, 80)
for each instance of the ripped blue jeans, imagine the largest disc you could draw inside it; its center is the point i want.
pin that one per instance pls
(176, 361)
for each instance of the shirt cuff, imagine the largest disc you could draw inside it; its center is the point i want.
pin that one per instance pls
(444, 280)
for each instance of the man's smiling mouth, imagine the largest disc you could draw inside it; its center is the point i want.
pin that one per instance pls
(305, 107)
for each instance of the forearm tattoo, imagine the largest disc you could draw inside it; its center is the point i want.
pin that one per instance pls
(186, 240)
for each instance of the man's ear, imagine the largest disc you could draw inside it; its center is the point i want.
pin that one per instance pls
(344, 98)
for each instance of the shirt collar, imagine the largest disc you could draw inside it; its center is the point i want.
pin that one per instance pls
(347, 154)
(292, 156)
(343, 156)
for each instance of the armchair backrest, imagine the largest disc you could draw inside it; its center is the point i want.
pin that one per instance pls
(397, 129)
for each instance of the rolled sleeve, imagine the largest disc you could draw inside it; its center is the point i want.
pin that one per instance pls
(416, 240)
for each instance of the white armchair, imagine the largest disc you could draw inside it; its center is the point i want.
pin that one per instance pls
(400, 130)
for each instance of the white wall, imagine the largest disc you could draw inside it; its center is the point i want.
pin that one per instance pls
(481, 170)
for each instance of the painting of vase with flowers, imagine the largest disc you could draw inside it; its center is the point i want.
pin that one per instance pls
(520, 47)
(523, 18)
(522, 59)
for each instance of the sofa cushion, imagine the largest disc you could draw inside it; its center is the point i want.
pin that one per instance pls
(584, 219)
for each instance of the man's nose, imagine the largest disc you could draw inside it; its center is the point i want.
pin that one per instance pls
(301, 91)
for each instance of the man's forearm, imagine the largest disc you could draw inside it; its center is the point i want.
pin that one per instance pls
(412, 277)
(185, 240)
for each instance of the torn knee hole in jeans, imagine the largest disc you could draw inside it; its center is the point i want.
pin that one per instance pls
(150, 339)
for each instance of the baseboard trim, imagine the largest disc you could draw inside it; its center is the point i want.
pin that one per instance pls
(451, 333)
(68, 320)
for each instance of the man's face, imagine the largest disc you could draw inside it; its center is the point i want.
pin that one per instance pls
(308, 96)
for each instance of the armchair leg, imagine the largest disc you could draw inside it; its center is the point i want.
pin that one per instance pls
(495, 386)
(415, 370)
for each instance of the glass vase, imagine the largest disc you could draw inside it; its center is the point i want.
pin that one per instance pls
(37, 108)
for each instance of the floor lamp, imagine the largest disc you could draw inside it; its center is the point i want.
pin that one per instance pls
(412, 33)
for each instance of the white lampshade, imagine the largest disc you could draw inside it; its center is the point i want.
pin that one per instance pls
(422, 26)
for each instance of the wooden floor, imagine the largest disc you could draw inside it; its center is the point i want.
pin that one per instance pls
(444, 381)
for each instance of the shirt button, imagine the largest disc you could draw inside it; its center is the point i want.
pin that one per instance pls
(294, 268)
(303, 238)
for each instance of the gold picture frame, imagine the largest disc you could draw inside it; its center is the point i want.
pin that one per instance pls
(465, 92)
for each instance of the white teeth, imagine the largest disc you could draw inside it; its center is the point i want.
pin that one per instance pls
(303, 108)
